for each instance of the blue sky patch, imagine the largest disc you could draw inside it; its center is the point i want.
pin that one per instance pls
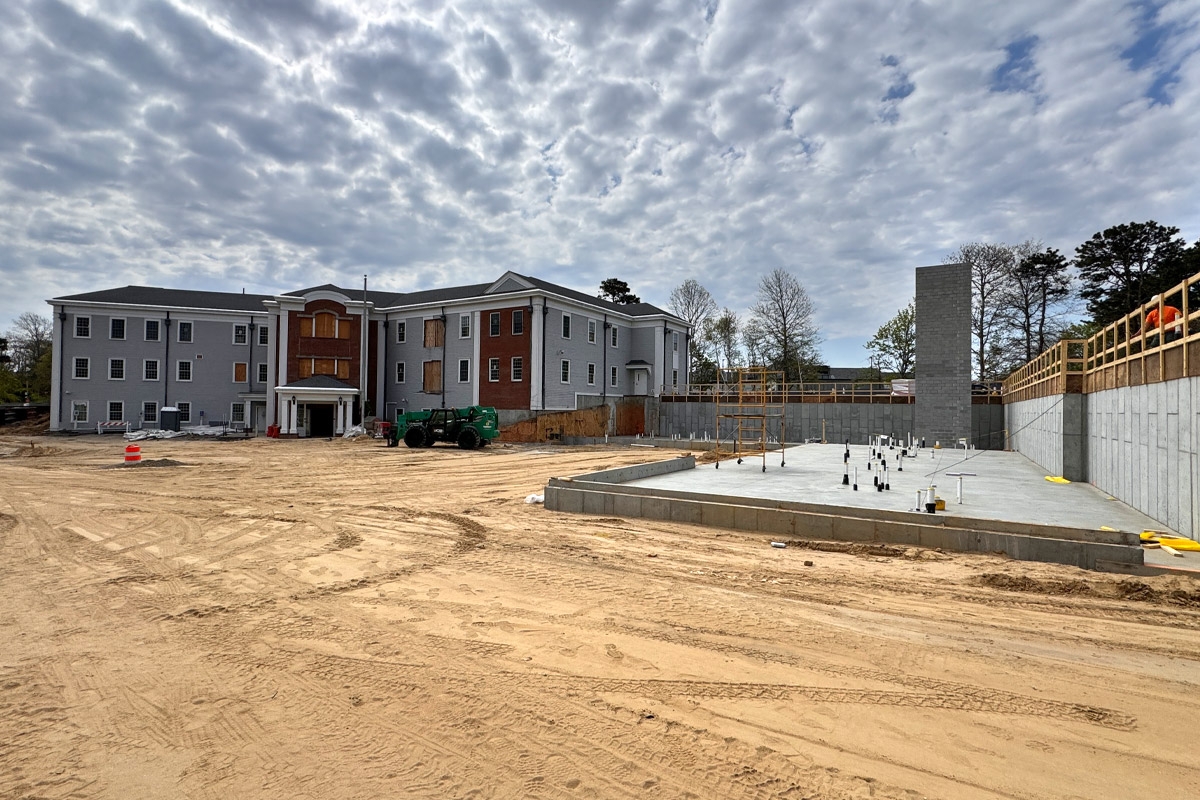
(1018, 72)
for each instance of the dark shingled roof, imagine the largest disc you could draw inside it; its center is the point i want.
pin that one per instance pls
(319, 382)
(175, 298)
(632, 309)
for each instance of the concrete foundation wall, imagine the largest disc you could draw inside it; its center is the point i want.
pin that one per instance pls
(1142, 446)
(1036, 431)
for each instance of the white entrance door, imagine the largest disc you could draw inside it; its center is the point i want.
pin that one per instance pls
(640, 379)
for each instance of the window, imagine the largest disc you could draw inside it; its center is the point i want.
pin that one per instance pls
(674, 342)
(239, 372)
(324, 325)
(494, 324)
(325, 366)
(183, 370)
(262, 372)
(591, 374)
(435, 332)
(518, 322)
(184, 331)
(464, 370)
(83, 327)
(566, 326)
(150, 369)
(612, 335)
(564, 371)
(431, 382)
(116, 369)
(464, 326)
(612, 377)
(399, 372)
(518, 368)
(591, 331)
(83, 368)
(264, 335)
(239, 334)
(150, 411)
(493, 369)
(151, 330)
(79, 411)
(401, 333)
(116, 328)
(185, 411)
(116, 411)
(237, 412)
(674, 377)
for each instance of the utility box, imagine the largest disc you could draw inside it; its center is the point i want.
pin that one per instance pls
(168, 418)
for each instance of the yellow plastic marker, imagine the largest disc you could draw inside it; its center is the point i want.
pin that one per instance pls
(1057, 479)
(1106, 528)
(1178, 543)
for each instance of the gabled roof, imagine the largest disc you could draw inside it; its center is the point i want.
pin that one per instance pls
(174, 298)
(632, 309)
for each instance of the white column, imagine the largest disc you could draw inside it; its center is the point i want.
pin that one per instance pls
(381, 345)
(657, 376)
(292, 408)
(536, 348)
(273, 410)
(281, 331)
(60, 406)
(341, 417)
(476, 376)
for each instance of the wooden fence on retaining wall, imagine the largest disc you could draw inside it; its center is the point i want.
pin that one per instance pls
(1124, 353)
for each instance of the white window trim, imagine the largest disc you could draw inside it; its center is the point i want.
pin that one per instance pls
(108, 410)
(464, 321)
(512, 363)
(462, 361)
(157, 369)
(111, 361)
(124, 329)
(260, 369)
(495, 361)
(146, 333)
(235, 366)
(74, 368)
(191, 370)
(518, 314)
(264, 332)
(592, 326)
(400, 373)
(179, 323)
(233, 340)
(86, 410)
(567, 362)
(499, 323)
(232, 416)
(149, 403)
(401, 331)
(674, 341)
(76, 326)
(565, 327)
(612, 337)
(591, 374)
(180, 406)
(674, 377)
(612, 377)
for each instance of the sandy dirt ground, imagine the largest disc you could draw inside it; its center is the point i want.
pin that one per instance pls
(336, 619)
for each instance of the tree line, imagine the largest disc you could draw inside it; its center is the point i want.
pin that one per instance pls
(1025, 297)
(25, 358)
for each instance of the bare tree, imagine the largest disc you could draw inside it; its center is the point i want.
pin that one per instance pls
(894, 347)
(722, 334)
(990, 267)
(31, 340)
(691, 302)
(782, 333)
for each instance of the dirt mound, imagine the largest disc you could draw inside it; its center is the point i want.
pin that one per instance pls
(1139, 591)
(149, 462)
(36, 425)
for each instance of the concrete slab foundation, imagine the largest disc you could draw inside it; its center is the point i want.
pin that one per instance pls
(1007, 505)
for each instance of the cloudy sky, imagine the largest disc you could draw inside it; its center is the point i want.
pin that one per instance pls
(275, 144)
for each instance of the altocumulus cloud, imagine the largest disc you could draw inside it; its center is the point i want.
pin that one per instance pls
(282, 143)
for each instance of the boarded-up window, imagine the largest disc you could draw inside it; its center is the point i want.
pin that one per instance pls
(239, 372)
(433, 377)
(306, 368)
(343, 369)
(435, 335)
(325, 326)
(324, 366)
(306, 327)
(343, 329)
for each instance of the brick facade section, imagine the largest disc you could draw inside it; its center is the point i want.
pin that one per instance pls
(312, 347)
(943, 301)
(505, 393)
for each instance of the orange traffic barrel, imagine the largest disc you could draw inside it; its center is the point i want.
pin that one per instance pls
(133, 454)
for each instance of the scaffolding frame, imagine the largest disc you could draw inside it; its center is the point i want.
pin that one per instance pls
(750, 403)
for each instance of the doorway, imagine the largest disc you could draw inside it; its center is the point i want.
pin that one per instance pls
(258, 416)
(640, 379)
(320, 419)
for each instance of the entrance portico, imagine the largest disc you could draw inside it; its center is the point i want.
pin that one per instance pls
(311, 406)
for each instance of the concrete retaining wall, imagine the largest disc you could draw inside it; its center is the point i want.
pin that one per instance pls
(853, 421)
(1142, 448)
(784, 520)
(1036, 431)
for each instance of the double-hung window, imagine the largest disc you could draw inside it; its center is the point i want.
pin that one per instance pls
(152, 330)
(150, 369)
(464, 370)
(566, 326)
(564, 371)
(518, 368)
(116, 328)
(116, 369)
(494, 323)
(239, 334)
(493, 369)
(518, 322)
(184, 331)
(591, 331)
(464, 326)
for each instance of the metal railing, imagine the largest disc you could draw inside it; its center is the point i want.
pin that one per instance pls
(812, 392)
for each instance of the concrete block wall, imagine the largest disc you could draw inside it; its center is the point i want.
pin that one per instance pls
(1142, 448)
(1036, 431)
(943, 305)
